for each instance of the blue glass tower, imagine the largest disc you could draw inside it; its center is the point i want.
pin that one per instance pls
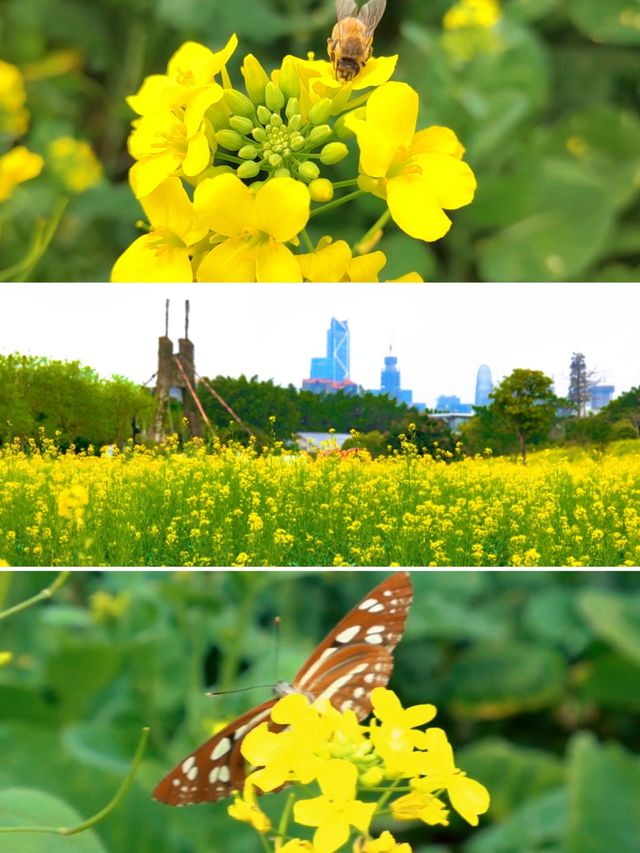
(335, 365)
(484, 386)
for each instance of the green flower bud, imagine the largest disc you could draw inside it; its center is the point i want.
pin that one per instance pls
(319, 135)
(295, 122)
(333, 153)
(242, 124)
(282, 173)
(275, 160)
(264, 116)
(293, 108)
(248, 170)
(212, 171)
(289, 78)
(274, 98)
(255, 78)
(259, 134)
(229, 139)
(308, 170)
(321, 190)
(218, 115)
(320, 112)
(297, 143)
(249, 152)
(276, 120)
(238, 103)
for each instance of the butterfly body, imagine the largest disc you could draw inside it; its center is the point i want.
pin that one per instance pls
(353, 658)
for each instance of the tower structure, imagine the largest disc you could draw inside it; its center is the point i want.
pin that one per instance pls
(335, 366)
(579, 391)
(484, 385)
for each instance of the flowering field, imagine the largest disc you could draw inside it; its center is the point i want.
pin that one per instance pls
(532, 676)
(230, 506)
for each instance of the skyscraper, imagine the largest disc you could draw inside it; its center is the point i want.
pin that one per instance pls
(600, 396)
(390, 381)
(484, 385)
(335, 365)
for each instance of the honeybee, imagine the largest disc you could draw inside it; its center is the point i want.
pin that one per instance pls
(352, 37)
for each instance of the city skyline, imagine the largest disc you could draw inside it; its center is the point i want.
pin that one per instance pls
(435, 331)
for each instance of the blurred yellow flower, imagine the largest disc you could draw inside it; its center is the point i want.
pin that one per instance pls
(72, 502)
(5, 658)
(245, 809)
(419, 174)
(386, 843)
(14, 118)
(295, 845)
(256, 226)
(164, 253)
(74, 163)
(472, 13)
(17, 166)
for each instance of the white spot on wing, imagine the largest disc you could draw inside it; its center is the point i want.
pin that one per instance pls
(192, 775)
(359, 692)
(220, 749)
(377, 608)
(374, 639)
(188, 763)
(224, 774)
(369, 604)
(213, 776)
(348, 634)
(376, 629)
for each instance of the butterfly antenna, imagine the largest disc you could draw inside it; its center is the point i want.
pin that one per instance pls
(238, 690)
(276, 623)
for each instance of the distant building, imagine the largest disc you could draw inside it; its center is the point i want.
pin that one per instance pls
(328, 386)
(335, 365)
(390, 381)
(484, 385)
(452, 403)
(600, 396)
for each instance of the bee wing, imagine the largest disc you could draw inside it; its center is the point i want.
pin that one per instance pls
(346, 9)
(371, 13)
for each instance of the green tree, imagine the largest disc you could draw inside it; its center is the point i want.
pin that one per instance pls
(625, 409)
(486, 430)
(526, 404)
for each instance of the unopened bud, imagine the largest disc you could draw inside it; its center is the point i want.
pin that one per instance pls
(238, 103)
(282, 173)
(242, 124)
(259, 134)
(264, 115)
(248, 152)
(321, 190)
(248, 170)
(319, 135)
(274, 98)
(293, 108)
(289, 78)
(229, 139)
(276, 120)
(297, 143)
(320, 112)
(295, 122)
(333, 153)
(275, 160)
(308, 170)
(255, 79)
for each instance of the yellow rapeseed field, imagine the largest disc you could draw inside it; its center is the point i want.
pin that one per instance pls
(231, 506)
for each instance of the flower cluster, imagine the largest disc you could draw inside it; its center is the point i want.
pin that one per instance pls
(229, 179)
(361, 772)
(18, 164)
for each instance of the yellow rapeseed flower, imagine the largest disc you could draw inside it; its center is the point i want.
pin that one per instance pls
(256, 226)
(246, 809)
(17, 166)
(472, 13)
(14, 118)
(386, 843)
(5, 658)
(164, 254)
(419, 174)
(74, 163)
(334, 261)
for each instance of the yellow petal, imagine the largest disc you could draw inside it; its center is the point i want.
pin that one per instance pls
(376, 150)
(409, 278)
(194, 64)
(274, 262)
(393, 109)
(198, 104)
(329, 263)
(198, 155)
(147, 174)
(468, 797)
(366, 267)
(376, 72)
(282, 208)
(225, 204)
(229, 261)
(148, 259)
(169, 207)
(415, 209)
(452, 180)
(440, 139)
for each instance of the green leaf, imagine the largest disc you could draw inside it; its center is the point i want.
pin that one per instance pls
(613, 21)
(77, 671)
(536, 827)
(553, 616)
(513, 774)
(491, 681)
(31, 807)
(612, 682)
(604, 792)
(616, 619)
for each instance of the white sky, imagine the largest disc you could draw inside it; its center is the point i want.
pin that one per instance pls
(441, 333)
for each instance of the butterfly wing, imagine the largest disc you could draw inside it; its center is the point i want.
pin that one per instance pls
(356, 655)
(216, 768)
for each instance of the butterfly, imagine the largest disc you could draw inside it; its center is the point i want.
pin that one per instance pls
(353, 658)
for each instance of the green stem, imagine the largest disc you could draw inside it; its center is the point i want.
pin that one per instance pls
(92, 821)
(307, 240)
(43, 236)
(44, 594)
(229, 158)
(286, 815)
(380, 223)
(352, 182)
(337, 203)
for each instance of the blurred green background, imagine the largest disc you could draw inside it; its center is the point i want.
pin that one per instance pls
(536, 677)
(546, 103)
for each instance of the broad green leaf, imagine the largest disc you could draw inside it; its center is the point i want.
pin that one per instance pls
(616, 619)
(552, 616)
(31, 807)
(613, 21)
(538, 826)
(493, 681)
(603, 796)
(612, 681)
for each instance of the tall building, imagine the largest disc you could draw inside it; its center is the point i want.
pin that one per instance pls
(452, 403)
(335, 365)
(484, 385)
(390, 381)
(600, 396)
